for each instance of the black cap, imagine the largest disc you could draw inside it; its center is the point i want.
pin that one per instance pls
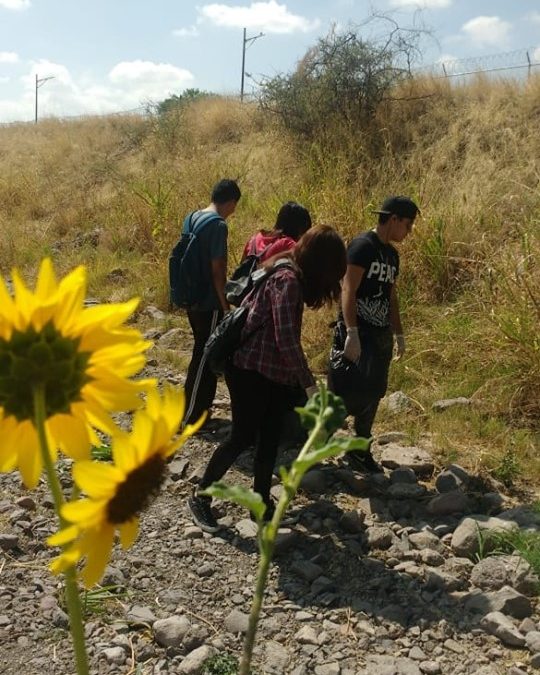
(403, 207)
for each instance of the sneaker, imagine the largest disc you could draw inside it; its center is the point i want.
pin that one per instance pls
(363, 462)
(201, 513)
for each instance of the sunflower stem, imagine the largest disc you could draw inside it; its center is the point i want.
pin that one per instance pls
(71, 591)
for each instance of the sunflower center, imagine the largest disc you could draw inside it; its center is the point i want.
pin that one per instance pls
(44, 358)
(136, 492)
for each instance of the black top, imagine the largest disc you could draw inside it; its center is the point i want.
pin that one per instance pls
(381, 267)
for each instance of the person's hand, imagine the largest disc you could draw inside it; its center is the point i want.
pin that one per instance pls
(311, 390)
(352, 349)
(400, 346)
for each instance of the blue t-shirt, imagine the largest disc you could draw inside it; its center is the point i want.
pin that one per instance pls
(212, 245)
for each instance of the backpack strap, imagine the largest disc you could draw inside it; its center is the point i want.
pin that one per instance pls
(194, 224)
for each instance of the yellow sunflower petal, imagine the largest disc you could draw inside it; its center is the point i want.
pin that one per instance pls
(84, 511)
(65, 560)
(8, 448)
(129, 532)
(46, 282)
(125, 455)
(96, 479)
(71, 435)
(98, 555)
(191, 429)
(63, 536)
(28, 454)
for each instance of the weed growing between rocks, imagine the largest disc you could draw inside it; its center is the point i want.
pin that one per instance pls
(322, 415)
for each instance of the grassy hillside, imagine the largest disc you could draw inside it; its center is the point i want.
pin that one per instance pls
(112, 193)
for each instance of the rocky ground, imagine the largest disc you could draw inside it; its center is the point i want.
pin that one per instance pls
(383, 575)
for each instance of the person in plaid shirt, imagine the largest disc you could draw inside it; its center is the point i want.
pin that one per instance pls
(270, 366)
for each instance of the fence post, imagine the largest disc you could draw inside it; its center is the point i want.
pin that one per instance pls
(530, 65)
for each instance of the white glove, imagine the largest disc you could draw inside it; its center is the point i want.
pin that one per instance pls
(311, 390)
(400, 346)
(352, 349)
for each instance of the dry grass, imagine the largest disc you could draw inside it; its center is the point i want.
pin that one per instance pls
(112, 193)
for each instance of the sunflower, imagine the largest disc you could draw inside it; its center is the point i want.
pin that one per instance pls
(117, 493)
(79, 358)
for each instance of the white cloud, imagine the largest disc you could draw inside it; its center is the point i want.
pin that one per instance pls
(129, 85)
(15, 4)
(487, 30)
(9, 57)
(536, 55)
(4, 79)
(421, 4)
(190, 31)
(148, 80)
(265, 16)
(534, 16)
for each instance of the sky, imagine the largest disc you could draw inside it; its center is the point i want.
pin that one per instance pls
(106, 56)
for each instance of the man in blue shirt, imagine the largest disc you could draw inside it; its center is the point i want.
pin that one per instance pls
(200, 386)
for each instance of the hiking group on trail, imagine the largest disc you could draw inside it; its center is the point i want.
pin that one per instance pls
(266, 370)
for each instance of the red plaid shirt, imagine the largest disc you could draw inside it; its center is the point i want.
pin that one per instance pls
(275, 350)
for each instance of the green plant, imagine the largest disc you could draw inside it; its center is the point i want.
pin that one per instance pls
(508, 468)
(220, 664)
(103, 453)
(97, 600)
(322, 415)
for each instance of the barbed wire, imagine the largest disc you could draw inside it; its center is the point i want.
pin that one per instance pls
(519, 58)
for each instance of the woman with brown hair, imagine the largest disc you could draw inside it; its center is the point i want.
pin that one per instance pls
(266, 371)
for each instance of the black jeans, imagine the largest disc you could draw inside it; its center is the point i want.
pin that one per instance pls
(361, 387)
(200, 386)
(258, 407)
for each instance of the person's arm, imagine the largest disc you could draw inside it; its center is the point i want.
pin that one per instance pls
(219, 278)
(351, 281)
(395, 323)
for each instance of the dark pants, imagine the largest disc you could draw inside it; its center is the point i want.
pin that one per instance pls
(258, 407)
(200, 386)
(362, 386)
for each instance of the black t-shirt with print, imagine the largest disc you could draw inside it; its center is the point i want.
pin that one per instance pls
(381, 267)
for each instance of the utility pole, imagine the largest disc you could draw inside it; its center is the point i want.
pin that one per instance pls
(39, 83)
(246, 41)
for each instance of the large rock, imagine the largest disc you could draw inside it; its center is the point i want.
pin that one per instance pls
(449, 502)
(399, 402)
(476, 533)
(171, 632)
(194, 661)
(506, 600)
(502, 627)
(447, 403)
(406, 491)
(314, 482)
(494, 572)
(426, 539)
(237, 622)
(452, 478)
(379, 537)
(411, 457)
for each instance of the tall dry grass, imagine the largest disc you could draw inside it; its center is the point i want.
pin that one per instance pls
(112, 193)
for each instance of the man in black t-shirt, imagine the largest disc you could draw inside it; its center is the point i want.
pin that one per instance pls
(369, 319)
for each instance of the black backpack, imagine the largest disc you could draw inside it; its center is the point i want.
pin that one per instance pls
(227, 336)
(186, 278)
(243, 277)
